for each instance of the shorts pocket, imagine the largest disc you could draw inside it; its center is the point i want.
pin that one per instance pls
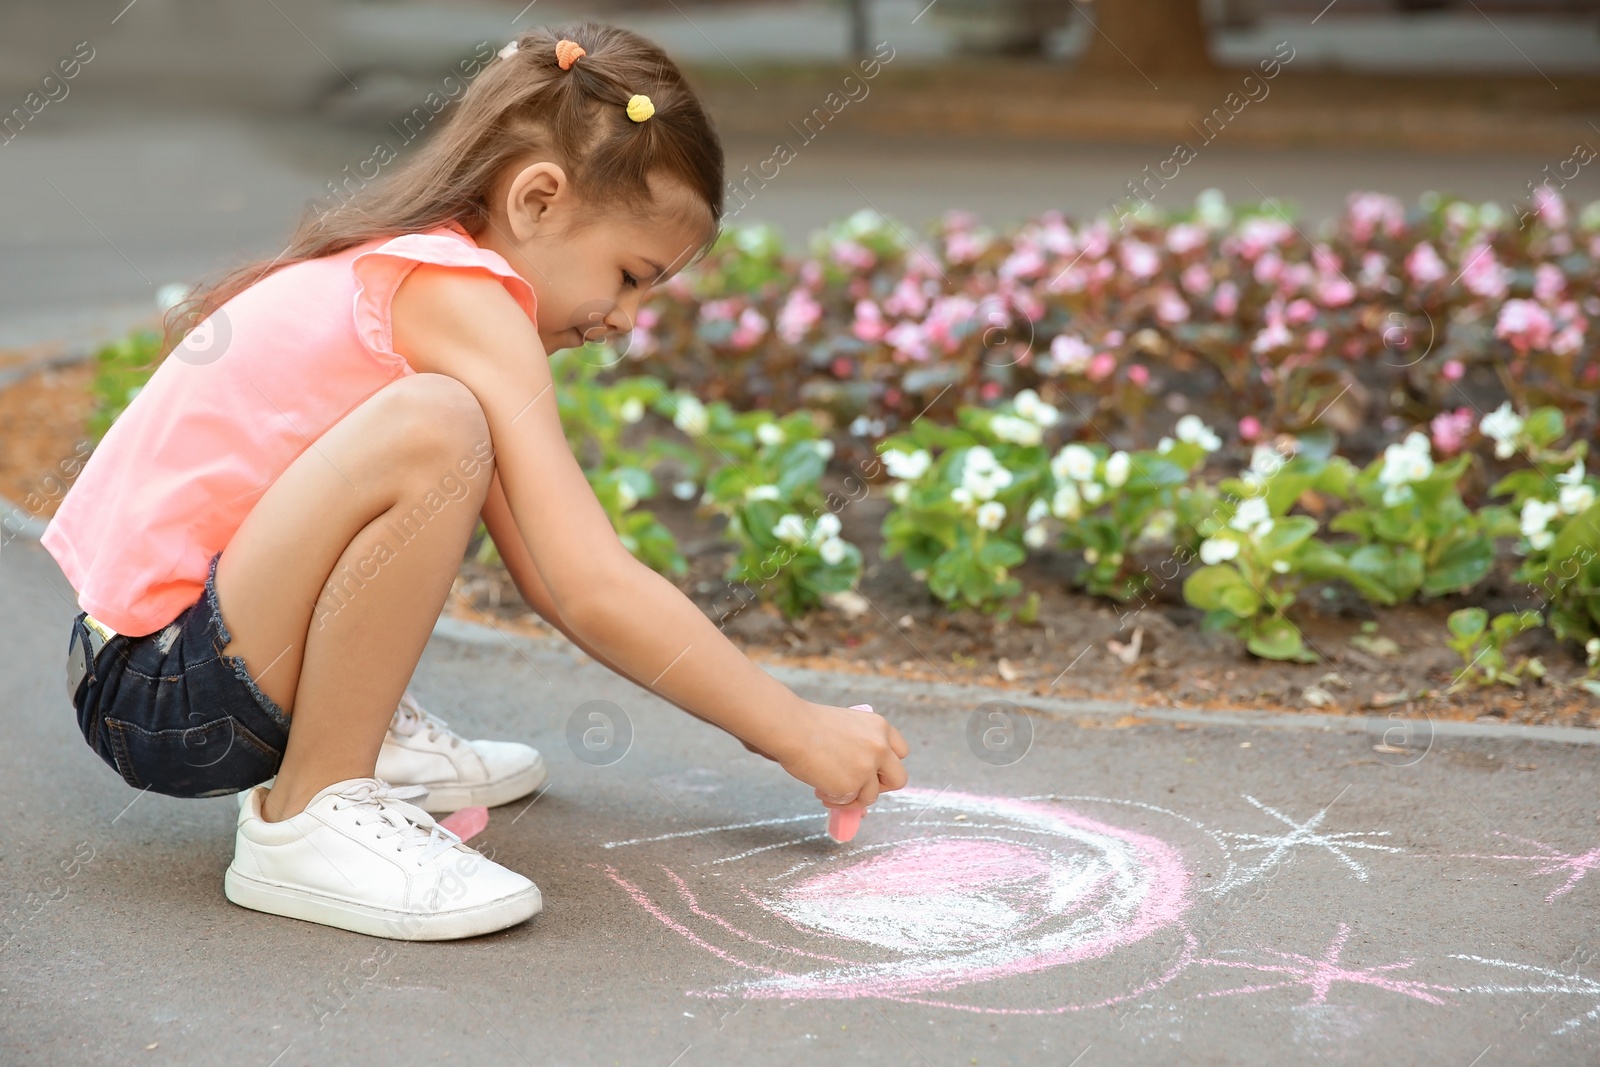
(208, 759)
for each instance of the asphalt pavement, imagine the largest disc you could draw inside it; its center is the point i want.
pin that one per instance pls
(1066, 882)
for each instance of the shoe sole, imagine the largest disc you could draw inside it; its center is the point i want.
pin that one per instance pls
(295, 903)
(446, 797)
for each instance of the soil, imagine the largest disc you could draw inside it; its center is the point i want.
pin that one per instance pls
(1079, 646)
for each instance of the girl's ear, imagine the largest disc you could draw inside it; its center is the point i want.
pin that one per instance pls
(538, 197)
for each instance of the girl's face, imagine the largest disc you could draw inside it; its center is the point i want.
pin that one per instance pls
(590, 268)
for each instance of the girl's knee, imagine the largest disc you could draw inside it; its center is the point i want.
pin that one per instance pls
(437, 413)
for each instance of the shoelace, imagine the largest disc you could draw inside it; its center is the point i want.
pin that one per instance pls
(410, 717)
(388, 805)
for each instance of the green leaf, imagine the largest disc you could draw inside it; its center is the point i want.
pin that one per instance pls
(1277, 638)
(1545, 426)
(1287, 535)
(1221, 587)
(1462, 566)
(1000, 553)
(1468, 624)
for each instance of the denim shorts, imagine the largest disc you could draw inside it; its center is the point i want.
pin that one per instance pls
(170, 713)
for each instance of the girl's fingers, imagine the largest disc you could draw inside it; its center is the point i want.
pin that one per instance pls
(868, 794)
(892, 777)
(897, 744)
(836, 800)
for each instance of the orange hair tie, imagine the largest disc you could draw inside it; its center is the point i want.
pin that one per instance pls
(567, 53)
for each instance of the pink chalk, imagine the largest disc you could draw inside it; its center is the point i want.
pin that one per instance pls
(466, 823)
(844, 822)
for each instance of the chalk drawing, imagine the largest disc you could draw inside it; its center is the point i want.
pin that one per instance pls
(1550, 861)
(1320, 974)
(1277, 846)
(946, 891)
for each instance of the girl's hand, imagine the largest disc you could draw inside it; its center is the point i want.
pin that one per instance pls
(848, 757)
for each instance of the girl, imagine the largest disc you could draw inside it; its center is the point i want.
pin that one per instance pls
(314, 471)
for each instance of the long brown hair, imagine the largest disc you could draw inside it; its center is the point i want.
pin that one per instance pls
(521, 104)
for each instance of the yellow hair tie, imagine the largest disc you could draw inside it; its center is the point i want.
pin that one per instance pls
(640, 107)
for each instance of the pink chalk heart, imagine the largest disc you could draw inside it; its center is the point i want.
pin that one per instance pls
(467, 823)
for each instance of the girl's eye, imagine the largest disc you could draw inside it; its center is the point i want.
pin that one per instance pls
(629, 280)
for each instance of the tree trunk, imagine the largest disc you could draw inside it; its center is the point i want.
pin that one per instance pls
(1148, 38)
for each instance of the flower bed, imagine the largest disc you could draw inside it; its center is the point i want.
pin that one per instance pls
(1214, 405)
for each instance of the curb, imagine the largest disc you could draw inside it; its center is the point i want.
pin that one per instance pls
(863, 686)
(13, 517)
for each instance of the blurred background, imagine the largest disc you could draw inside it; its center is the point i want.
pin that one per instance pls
(193, 133)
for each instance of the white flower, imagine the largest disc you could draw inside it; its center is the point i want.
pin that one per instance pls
(1573, 475)
(1395, 495)
(1029, 406)
(1036, 536)
(790, 528)
(626, 496)
(1192, 429)
(1266, 461)
(1280, 566)
(691, 416)
(1066, 503)
(962, 495)
(832, 551)
(1218, 550)
(1536, 515)
(632, 409)
(900, 493)
(824, 447)
(1576, 498)
(827, 527)
(1117, 468)
(1038, 510)
(1016, 430)
(684, 489)
(769, 434)
(1164, 445)
(991, 515)
(1251, 515)
(908, 466)
(1407, 462)
(761, 492)
(1091, 556)
(1502, 425)
(1092, 492)
(982, 475)
(1541, 540)
(861, 426)
(1075, 462)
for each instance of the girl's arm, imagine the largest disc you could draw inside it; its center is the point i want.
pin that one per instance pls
(469, 327)
(514, 554)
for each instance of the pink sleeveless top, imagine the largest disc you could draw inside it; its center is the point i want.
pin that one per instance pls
(222, 416)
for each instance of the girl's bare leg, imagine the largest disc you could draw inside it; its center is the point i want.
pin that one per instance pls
(332, 584)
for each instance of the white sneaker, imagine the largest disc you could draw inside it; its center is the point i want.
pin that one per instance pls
(360, 858)
(419, 749)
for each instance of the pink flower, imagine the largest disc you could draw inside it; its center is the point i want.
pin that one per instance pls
(1249, 428)
(1482, 273)
(1273, 336)
(989, 390)
(1139, 375)
(1170, 307)
(1370, 212)
(848, 253)
(1299, 312)
(1070, 353)
(1335, 291)
(1548, 283)
(908, 342)
(842, 367)
(1424, 265)
(907, 298)
(1139, 259)
(1260, 233)
(1196, 279)
(1185, 237)
(1268, 267)
(891, 397)
(869, 325)
(1101, 367)
(1226, 300)
(1451, 428)
(1525, 325)
(1453, 370)
(1317, 339)
(799, 314)
(964, 247)
(1374, 270)
(1552, 209)
(1024, 263)
(751, 329)
(1569, 339)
